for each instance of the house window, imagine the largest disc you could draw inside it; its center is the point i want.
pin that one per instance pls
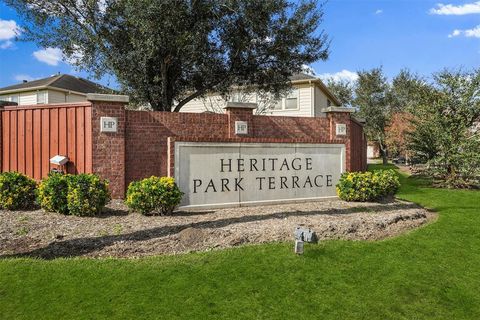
(234, 97)
(277, 105)
(291, 101)
(41, 97)
(14, 99)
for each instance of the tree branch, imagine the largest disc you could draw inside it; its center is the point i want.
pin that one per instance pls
(188, 99)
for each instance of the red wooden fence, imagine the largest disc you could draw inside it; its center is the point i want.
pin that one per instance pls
(32, 135)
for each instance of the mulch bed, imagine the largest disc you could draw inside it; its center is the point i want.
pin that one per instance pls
(117, 233)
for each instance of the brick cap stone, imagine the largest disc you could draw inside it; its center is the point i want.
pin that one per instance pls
(338, 109)
(240, 105)
(107, 97)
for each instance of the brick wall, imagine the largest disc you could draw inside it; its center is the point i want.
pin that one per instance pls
(147, 134)
(144, 140)
(150, 136)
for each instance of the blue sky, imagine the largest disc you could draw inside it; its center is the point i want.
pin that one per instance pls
(422, 35)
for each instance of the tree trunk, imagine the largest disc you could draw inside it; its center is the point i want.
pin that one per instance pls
(166, 97)
(383, 153)
(384, 159)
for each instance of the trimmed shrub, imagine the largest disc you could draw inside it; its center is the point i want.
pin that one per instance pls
(17, 191)
(80, 195)
(153, 195)
(87, 194)
(52, 193)
(367, 186)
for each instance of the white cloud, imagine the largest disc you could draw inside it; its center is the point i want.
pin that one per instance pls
(8, 31)
(6, 44)
(450, 9)
(76, 56)
(340, 76)
(21, 77)
(469, 33)
(308, 69)
(50, 56)
(379, 11)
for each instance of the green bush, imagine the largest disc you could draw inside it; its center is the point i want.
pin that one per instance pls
(52, 193)
(87, 194)
(367, 186)
(80, 195)
(17, 191)
(153, 195)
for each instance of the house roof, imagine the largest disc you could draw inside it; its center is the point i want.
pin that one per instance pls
(302, 76)
(60, 81)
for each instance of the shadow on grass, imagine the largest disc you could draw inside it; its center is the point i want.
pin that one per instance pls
(83, 246)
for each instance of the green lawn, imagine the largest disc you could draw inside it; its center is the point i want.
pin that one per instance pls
(431, 273)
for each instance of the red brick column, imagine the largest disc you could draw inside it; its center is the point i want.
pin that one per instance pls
(237, 111)
(108, 148)
(341, 116)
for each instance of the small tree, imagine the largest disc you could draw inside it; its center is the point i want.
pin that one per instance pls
(396, 133)
(168, 52)
(444, 128)
(372, 99)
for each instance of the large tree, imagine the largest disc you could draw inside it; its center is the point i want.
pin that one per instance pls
(168, 52)
(372, 99)
(406, 91)
(343, 90)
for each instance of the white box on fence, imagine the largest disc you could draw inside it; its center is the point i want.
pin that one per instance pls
(59, 160)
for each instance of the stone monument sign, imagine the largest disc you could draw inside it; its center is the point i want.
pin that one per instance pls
(234, 174)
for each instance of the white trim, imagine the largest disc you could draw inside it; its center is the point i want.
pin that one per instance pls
(31, 89)
(107, 97)
(338, 109)
(255, 203)
(312, 99)
(283, 101)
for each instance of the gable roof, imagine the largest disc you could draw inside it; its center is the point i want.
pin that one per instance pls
(299, 78)
(302, 76)
(63, 82)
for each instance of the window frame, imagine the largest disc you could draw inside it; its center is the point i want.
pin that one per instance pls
(44, 92)
(294, 94)
(10, 98)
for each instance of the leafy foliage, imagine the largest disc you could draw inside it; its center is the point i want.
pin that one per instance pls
(153, 195)
(52, 193)
(367, 186)
(406, 89)
(80, 195)
(444, 133)
(372, 99)
(396, 133)
(343, 90)
(87, 194)
(168, 52)
(17, 191)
